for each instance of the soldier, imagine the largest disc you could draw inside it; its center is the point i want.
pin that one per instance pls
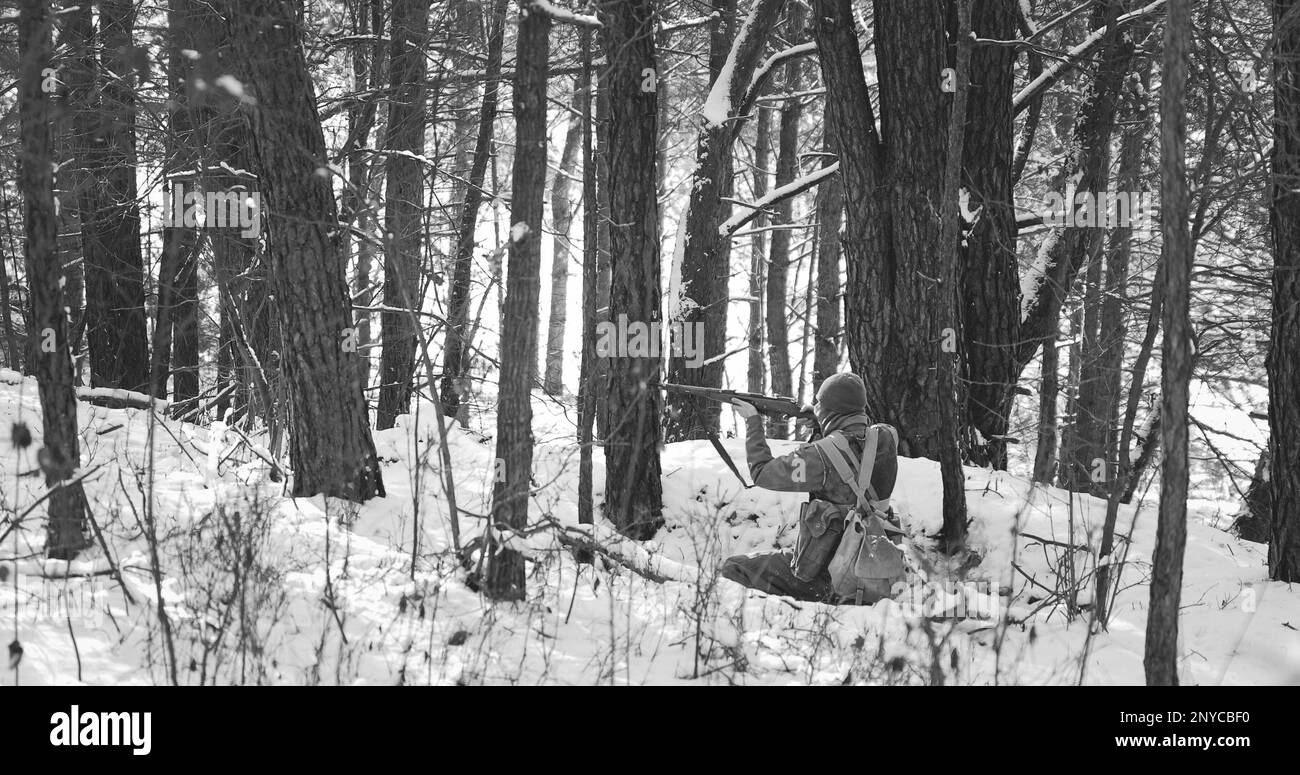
(840, 407)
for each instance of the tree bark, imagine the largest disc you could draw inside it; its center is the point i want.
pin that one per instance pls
(331, 450)
(778, 268)
(1284, 342)
(705, 257)
(990, 277)
(110, 216)
(756, 368)
(514, 443)
(562, 208)
(901, 294)
(403, 208)
(454, 360)
(830, 214)
(60, 457)
(1177, 252)
(634, 504)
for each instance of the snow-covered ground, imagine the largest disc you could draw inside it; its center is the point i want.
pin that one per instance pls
(259, 587)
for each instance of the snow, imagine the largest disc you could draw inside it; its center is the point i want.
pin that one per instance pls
(334, 598)
(519, 231)
(232, 86)
(564, 15)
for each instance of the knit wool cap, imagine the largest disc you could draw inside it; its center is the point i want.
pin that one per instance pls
(842, 394)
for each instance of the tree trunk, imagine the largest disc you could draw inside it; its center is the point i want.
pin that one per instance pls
(60, 457)
(403, 209)
(587, 367)
(514, 443)
(562, 208)
(778, 268)
(110, 221)
(756, 371)
(454, 360)
(632, 444)
(900, 298)
(830, 213)
(990, 278)
(1161, 658)
(1283, 368)
(703, 296)
(331, 450)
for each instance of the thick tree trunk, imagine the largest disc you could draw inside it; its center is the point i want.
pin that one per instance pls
(331, 450)
(1177, 252)
(562, 207)
(514, 442)
(1283, 365)
(403, 208)
(901, 295)
(60, 457)
(632, 443)
(110, 216)
(990, 278)
(454, 360)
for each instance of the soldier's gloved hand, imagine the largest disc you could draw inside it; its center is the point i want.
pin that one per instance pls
(744, 408)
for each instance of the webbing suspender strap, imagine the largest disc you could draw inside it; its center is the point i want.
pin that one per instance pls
(844, 460)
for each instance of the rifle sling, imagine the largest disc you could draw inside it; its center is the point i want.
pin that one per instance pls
(722, 453)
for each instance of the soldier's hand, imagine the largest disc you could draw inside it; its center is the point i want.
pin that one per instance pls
(744, 408)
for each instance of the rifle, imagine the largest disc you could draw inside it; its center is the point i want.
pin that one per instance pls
(779, 407)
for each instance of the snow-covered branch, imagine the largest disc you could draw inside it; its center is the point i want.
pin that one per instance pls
(1050, 75)
(563, 15)
(793, 188)
(764, 71)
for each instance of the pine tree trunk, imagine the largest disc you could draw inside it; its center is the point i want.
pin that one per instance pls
(403, 208)
(830, 213)
(587, 367)
(901, 294)
(115, 325)
(60, 457)
(455, 361)
(562, 207)
(632, 443)
(990, 278)
(778, 268)
(757, 366)
(519, 324)
(706, 255)
(1283, 368)
(331, 451)
(1177, 252)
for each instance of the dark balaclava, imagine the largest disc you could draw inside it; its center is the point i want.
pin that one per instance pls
(842, 402)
